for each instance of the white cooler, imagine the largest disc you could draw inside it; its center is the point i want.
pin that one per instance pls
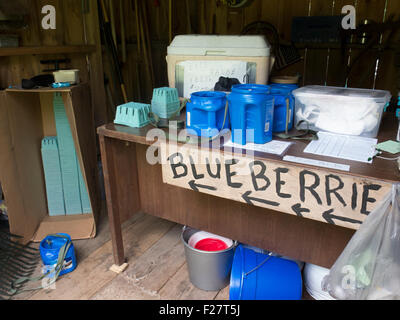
(195, 62)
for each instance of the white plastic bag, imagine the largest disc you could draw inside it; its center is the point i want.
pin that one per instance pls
(369, 266)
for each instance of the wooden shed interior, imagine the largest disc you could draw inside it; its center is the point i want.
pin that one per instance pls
(144, 29)
(141, 30)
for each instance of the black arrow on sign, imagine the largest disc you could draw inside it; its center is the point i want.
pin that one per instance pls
(299, 210)
(246, 197)
(329, 217)
(195, 187)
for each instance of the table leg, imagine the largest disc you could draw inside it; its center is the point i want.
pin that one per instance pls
(112, 200)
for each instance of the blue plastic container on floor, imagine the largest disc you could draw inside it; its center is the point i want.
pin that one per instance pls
(49, 250)
(255, 278)
(251, 109)
(205, 113)
(283, 109)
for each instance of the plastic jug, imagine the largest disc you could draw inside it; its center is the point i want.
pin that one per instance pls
(283, 109)
(251, 109)
(205, 113)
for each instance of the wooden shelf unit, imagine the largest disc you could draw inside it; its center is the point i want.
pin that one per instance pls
(26, 117)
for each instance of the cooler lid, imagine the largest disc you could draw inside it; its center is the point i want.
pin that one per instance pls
(341, 92)
(216, 45)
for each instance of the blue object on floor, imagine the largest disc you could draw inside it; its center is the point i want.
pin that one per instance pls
(251, 109)
(205, 113)
(283, 109)
(258, 276)
(50, 249)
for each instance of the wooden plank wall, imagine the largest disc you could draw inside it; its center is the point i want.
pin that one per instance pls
(319, 66)
(69, 31)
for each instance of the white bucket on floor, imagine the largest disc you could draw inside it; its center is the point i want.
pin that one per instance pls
(313, 276)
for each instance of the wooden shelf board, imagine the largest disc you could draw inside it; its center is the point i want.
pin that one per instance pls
(21, 51)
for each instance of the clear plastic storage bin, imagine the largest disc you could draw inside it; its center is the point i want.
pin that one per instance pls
(340, 110)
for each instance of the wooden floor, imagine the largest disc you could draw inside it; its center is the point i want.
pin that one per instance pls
(157, 268)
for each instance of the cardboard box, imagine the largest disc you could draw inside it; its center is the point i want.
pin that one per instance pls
(26, 117)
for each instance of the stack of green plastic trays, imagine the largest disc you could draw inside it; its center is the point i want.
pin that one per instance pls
(165, 102)
(133, 114)
(52, 174)
(68, 159)
(85, 202)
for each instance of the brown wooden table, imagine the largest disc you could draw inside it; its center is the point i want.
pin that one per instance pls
(132, 185)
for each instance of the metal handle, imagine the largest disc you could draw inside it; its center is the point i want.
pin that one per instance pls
(287, 115)
(259, 266)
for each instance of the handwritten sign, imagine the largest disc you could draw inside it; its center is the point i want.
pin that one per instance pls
(203, 75)
(339, 199)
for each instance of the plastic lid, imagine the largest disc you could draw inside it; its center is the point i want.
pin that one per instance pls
(52, 242)
(285, 80)
(325, 91)
(216, 45)
(209, 94)
(281, 91)
(211, 245)
(251, 89)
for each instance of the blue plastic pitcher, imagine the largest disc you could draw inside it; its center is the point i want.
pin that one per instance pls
(205, 113)
(251, 107)
(259, 276)
(283, 109)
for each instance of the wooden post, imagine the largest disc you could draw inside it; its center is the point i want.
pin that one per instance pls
(112, 200)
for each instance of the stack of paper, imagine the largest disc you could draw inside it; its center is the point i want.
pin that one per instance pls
(273, 147)
(343, 146)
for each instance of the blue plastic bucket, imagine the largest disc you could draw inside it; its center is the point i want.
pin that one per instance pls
(258, 276)
(251, 107)
(283, 109)
(290, 87)
(49, 250)
(205, 113)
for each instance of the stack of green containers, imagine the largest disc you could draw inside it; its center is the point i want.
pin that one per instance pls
(133, 114)
(75, 195)
(165, 102)
(52, 173)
